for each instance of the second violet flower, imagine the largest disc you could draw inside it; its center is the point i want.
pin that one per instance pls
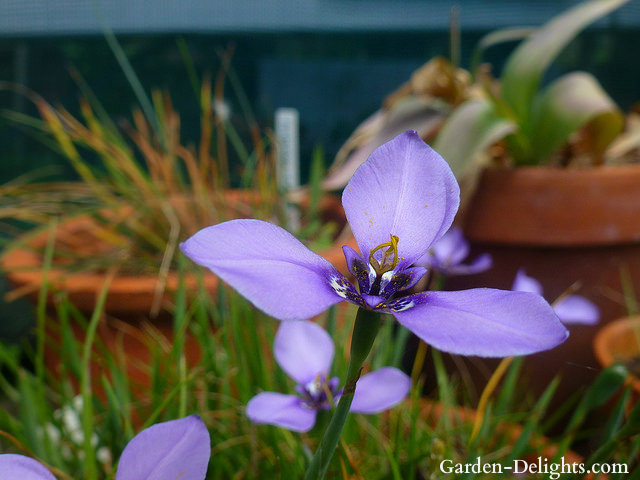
(305, 352)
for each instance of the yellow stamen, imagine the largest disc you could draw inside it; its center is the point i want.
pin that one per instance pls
(386, 264)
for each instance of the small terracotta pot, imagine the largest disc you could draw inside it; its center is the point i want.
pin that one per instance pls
(132, 345)
(619, 342)
(565, 227)
(129, 295)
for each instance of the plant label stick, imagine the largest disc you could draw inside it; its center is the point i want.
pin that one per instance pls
(288, 165)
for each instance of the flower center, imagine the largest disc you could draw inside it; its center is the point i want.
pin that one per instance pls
(389, 257)
(319, 393)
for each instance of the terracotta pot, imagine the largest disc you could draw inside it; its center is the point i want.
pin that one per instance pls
(132, 346)
(565, 227)
(129, 295)
(619, 342)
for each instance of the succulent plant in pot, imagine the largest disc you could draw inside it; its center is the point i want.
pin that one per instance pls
(550, 194)
(549, 176)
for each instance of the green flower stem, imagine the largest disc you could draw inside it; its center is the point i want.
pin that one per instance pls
(365, 330)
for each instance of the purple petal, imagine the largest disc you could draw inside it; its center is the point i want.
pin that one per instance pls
(380, 390)
(404, 189)
(19, 467)
(483, 322)
(372, 301)
(452, 248)
(480, 264)
(267, 265)
(429, 260)
(166, 451)
(524, 283)
(400, 281)
(358, 267)
(574, 309)
(303, 350)
(285, 411)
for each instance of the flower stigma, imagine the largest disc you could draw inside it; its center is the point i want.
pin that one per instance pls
(385, 265)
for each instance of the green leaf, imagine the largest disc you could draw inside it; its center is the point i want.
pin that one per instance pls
(565, 106)
(470, 129)
(509, 34)
(603, 388)
(525, 67)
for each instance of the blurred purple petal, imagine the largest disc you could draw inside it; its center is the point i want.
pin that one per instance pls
(167, 451)
(19, 467)
(452, 248)
(285, 411)
(268, 266)
(524, 283)
(480, 264)
(304, 350)
(483, 322)
(405, 189)
(575, 309)
(380, 390)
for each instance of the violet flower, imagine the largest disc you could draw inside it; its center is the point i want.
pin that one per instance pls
(305, 352)
(398, 203)
(165, 451)
(448, 253)
(571, 309)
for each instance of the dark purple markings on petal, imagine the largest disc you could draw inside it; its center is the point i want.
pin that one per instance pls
(319, 394)
(345, 289)
(403, 280)
(405, 303)
(358, 268)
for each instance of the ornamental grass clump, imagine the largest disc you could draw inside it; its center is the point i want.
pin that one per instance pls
(143, 186)
(399, 203)
(516, 119)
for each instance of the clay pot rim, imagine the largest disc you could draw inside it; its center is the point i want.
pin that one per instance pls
(554, 171)
(23, 268)
(542, 205)
(603, 338)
